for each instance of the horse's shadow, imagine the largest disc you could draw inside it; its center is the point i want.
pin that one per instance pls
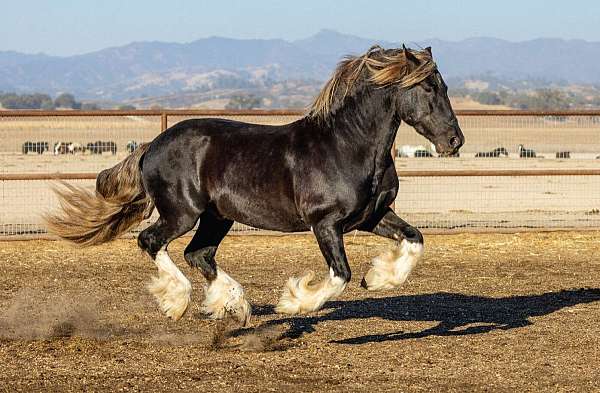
(454, 312)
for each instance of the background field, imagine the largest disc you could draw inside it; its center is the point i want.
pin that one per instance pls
(486, 312)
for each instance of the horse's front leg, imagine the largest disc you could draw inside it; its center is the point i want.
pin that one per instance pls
(301, 294)
(392, 268)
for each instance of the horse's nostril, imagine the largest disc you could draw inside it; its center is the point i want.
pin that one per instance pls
(454, 141)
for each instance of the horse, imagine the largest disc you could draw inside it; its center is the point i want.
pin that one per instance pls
(100, 147)
(76, 148)
(423, 153)
(37, 147)
(494, 153)
(131, 146)
(62, 148)
(414, 151)
(330, 172)
(526, 153)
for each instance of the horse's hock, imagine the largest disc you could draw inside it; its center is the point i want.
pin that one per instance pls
(466, 193)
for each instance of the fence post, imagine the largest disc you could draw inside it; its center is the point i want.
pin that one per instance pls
(163, 122)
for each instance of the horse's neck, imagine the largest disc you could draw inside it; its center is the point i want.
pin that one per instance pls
(370, 122)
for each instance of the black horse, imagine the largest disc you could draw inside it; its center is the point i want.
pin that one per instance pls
(494, 153)
(330, 172)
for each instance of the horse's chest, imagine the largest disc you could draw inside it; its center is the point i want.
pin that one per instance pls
(365, 212)
(380, 197)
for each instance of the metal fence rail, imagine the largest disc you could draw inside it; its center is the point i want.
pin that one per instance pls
(507, 192)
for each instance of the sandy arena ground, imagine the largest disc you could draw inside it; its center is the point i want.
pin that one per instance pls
(515, 312)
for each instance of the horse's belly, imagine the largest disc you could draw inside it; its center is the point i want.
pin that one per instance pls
(257, 212)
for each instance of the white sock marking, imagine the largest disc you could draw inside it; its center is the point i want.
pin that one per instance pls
(300, 295)
(392, 268)
(171, 288)
(225, 295)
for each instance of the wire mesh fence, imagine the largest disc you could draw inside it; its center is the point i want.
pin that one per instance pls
(500, 202)
(542, 135)
(565, 145)
(70, 143)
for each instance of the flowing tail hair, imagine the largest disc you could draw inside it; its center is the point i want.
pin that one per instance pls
(119, 202)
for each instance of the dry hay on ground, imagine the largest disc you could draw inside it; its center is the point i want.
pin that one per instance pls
(495, 312)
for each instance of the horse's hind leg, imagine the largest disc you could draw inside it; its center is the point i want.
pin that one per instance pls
(171, 288)
(392, 268)
(223, 293)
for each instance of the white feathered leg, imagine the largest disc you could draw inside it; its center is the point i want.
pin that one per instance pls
(171, 288)
(392, 268)
(300, 295)
(225, 295)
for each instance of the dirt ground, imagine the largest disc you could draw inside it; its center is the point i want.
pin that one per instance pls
(493, 312)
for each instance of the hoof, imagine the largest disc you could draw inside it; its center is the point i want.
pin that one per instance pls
(301, 295)
(173, 296)
(226, 296)
(363, 283)
(391, 269)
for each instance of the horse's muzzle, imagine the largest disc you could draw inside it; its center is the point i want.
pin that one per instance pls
(450, 147)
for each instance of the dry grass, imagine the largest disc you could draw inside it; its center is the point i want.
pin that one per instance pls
(481, 312)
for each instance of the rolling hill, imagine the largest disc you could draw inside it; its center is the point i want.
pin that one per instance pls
(143, 69)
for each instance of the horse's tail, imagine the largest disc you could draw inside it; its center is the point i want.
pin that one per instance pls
(94, 217)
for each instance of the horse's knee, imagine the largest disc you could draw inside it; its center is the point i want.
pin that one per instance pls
(203, 259)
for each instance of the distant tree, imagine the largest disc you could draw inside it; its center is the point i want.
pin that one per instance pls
(48, 105)
(487, 98)
(89, 106)
(595, 101)
(541, 99)
(244, 102)
(42, 101)
(458, 92)
(126, 107)
(67, 101)
(551, 99)
(26, 101)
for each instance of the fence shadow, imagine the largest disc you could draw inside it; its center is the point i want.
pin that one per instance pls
(454, 312)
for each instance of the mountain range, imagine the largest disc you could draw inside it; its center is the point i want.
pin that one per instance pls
(142, 69)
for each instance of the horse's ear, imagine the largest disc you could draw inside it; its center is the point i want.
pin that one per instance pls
(428, 50)
(409, 56)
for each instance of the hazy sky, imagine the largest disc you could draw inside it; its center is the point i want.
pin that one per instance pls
(65, 27)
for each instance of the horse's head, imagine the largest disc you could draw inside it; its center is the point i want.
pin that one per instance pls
(404, 81)
(423, 103)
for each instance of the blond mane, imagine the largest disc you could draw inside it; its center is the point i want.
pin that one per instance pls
(384, 68)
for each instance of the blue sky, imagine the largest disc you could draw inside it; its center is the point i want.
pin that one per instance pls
(66, 27)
